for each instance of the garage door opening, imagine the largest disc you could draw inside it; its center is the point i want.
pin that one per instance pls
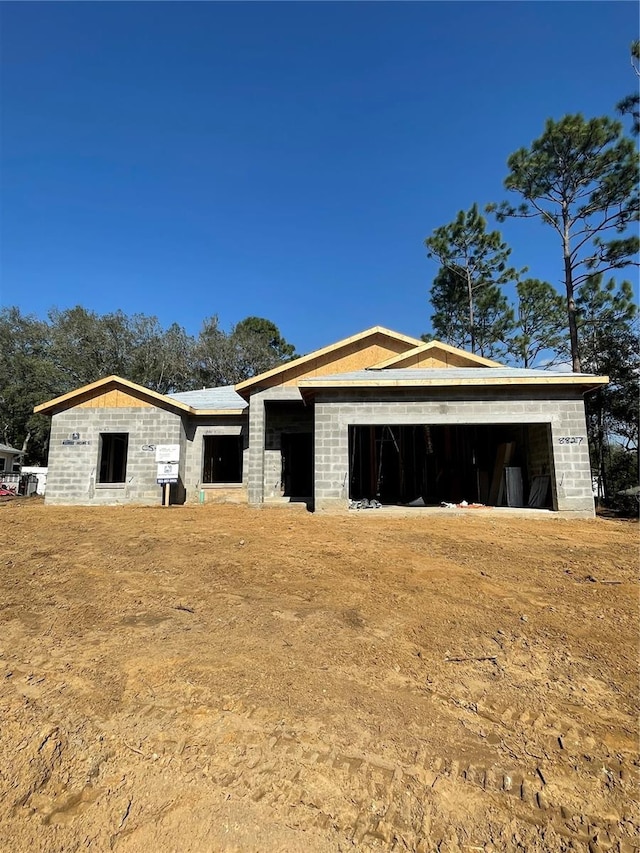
(424, 464)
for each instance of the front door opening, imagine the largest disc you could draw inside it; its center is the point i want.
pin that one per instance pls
(297, 464)
(423, 464)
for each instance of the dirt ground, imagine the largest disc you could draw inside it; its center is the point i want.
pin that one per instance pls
(222, 678)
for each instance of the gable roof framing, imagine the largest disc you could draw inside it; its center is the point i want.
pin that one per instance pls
(433, 347)
(411, 343)
(72, 397)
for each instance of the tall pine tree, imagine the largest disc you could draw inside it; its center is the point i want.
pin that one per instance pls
(450, 320)
(581, 179)
(631, 104)
(540, 326)
(608, 325)
(476, 265)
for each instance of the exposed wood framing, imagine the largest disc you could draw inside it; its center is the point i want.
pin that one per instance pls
(109, 383)
(354, 353)
(436, 354)
(116, 398)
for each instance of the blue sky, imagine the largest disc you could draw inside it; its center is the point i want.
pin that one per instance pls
(284, 160)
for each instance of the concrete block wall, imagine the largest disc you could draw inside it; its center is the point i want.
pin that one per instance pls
(196, 430)
(257, 473)
(273, 487)
(336, 411)
(281, 418)
(73, 469)
(573, 483)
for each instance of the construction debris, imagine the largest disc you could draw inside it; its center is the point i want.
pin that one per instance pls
(462, 505)
(365, 504)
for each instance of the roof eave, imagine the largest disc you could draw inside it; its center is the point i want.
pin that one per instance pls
(589, 383)
(219, 412)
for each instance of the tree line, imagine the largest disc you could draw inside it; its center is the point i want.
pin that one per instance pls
(580, 179)
(42, 359)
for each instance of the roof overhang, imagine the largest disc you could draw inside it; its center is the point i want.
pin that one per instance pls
(218, 412)
(67, 401)
(588, 383)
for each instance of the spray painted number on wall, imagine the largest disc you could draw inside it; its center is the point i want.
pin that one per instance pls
(571, 439)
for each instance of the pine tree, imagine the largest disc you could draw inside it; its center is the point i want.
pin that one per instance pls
(631, 104)
(492, 315)
(581, 178)
(475, 262)
(608, 324)
(540, 326)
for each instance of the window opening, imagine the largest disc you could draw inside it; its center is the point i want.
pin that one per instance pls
(222, 461)
(113, 457)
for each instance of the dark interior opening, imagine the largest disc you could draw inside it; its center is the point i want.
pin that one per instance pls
(113, 457)
(297, 464)
(222, 462)
(493, 464)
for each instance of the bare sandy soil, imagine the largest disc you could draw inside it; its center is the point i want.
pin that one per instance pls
(225, 679)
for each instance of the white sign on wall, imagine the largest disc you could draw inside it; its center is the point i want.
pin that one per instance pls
(167, 472)
(167, 453)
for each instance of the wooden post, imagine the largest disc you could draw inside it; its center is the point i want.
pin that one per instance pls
(165, 500)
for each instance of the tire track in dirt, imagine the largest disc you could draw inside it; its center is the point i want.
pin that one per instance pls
(377, 802)
(555, 731)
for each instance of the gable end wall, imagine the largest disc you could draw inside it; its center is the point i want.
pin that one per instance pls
(355, 356)
(433, 357)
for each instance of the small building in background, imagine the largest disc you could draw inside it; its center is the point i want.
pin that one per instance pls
(10, 468)
(10, 459)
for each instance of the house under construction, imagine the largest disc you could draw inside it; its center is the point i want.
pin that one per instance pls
(376, 417)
